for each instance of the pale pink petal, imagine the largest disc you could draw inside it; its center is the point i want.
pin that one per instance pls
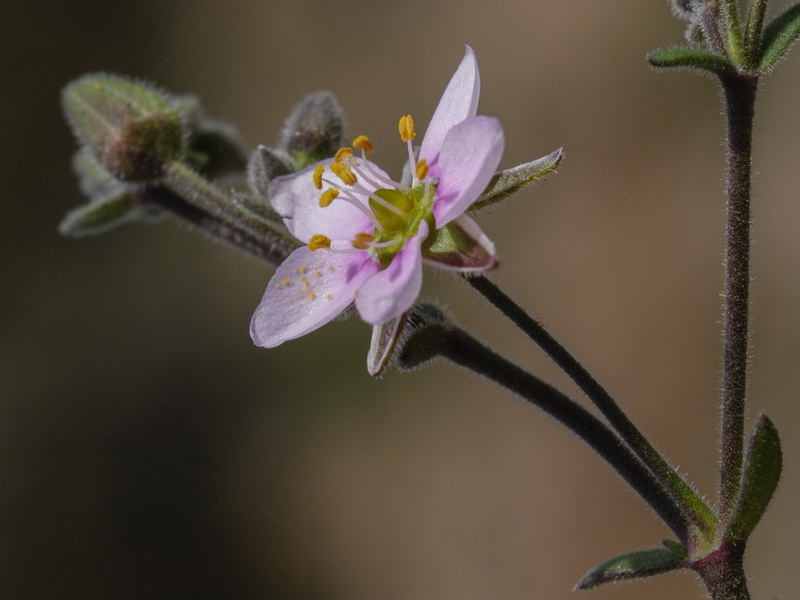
(296, 199)
(459, 102)
(309, 289)
(469, 158)
(391, 292)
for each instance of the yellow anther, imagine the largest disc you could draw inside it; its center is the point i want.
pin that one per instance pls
(342, 154)
(318, 241)
(318, 176)
(362, 143)
(343, 172)
(328, 196)
(406, 127)
(362, 241)
(422, 169)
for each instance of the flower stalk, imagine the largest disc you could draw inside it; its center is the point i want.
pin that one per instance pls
(701, 516)
(462, 349)
(740, 93)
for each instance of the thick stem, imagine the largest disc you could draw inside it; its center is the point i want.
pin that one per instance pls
(723, 572)
(464, 350)
(740, 93)
(691, 504)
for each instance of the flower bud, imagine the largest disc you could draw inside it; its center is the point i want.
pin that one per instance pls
(131, 128)
(314, 129)
(214, 148)
(265, 165)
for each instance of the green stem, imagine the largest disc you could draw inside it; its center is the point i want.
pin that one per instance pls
(740, 94)
(462, 349)
(272, 251)
(220, 211)
(689, 502)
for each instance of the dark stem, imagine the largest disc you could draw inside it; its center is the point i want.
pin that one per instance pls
(740, 92)
(464, 350)
(688, 500)
(723, 572)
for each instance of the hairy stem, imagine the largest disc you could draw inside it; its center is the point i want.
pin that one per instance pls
(462, 349)
(740, 93)
(691, 504)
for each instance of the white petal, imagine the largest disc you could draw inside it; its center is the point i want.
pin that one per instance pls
(296, 199)
(308, 290)
(459, 102)
(469, 159)
(391, 292)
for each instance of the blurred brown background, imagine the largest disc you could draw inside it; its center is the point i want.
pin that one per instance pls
(148, 450)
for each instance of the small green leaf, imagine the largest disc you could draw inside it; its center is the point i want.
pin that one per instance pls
(779, 36)
(678, 549)
(634, 565)
(762, 471)
(689, 58)
(100, 215)
(507, 183)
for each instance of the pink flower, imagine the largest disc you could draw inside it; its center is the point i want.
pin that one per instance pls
(368, 236)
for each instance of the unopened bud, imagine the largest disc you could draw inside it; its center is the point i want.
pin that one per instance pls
(314, 129)
(265, 165)
(131, 128)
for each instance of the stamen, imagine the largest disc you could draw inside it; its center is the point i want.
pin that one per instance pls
(362, 143)
(317, 177)
(422, 169)
(347, 197)
(343, 153)
(406, 127)
(328, 196)
(343, 172)
(362, 241)
(318, 241)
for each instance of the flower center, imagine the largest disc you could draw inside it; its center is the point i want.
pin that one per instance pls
(394, 208)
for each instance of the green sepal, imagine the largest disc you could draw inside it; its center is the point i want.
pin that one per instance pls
(385, 338)
(689, 58)
(507, 183)
(779, 36)
(634, 565)
(762, 471)
(459, 246)
(132, 128)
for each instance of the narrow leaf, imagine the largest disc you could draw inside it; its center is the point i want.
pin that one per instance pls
(689, 58)
(779, 36)
(762, 471)
(755, 25)
(507, 183)
(634, 565)
(100, 215)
